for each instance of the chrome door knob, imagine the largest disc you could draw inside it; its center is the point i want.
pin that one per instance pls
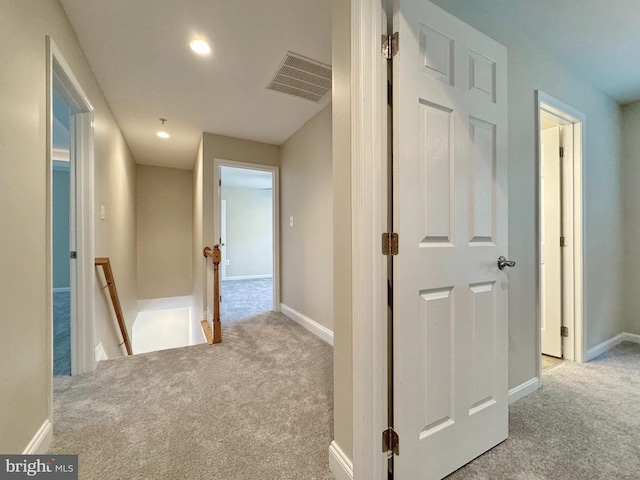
(503, 262)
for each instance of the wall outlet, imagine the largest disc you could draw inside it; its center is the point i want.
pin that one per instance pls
(103, 212)
(291, 221)
(228, 261)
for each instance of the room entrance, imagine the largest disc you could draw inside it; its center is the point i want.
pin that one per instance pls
(247, 233)
(560, 231)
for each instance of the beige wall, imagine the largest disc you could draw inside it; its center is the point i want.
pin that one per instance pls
(198, 260)
(226, 148)
(631, 214)
(341, 175)
(249, 240)
(25, 354)
(165, 219)
(531, 69)
(306, 195)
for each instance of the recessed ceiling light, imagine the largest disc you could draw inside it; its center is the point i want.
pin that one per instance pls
(163, 134)
(200, 47)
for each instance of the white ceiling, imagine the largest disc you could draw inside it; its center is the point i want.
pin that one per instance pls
(138, 50)
(598, 40)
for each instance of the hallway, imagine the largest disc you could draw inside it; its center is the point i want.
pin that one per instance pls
(259, 405)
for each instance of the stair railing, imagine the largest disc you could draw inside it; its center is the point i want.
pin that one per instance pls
(113, 293)
(213, 332)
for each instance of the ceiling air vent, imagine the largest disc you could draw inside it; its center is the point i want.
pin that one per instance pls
(302, 77)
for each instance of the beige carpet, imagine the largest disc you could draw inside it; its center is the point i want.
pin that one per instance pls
(550, 362)
(258, 406)
(584, 424)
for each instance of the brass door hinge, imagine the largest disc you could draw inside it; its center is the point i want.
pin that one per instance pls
(564, 242)
(390, 441)
(390, 244)
(390, 45)
(564, 331)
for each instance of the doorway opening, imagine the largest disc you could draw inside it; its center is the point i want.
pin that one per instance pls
(246, 222)
(70, 218)
(62, 201)
(560, 243)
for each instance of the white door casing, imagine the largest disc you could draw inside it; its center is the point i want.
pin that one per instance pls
(450, 211)
(223, 239)
(60, 75)
(550, 250)
(217, 226)
(573, 127)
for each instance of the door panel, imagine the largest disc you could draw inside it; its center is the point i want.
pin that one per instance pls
(450, 211)
(551, 231)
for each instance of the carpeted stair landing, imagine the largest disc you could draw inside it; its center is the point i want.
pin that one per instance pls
(257, 406)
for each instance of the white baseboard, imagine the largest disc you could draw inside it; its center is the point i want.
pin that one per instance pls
(524, 389)
(41, 441)
(339, 463)
(61, 289)
(314, 327)
(247, 277)
(599, 349)
(101, 354)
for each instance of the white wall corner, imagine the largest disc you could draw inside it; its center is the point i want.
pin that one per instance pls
(314, 327)
(524, 389)
(41, 441)
(101, 354)
(339, 464)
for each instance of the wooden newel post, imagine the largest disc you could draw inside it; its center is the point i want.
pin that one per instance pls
(216, 257)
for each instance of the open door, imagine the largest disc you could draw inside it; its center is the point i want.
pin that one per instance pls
(450, 212)
(550, 233)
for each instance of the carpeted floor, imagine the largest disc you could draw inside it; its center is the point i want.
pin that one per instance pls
(243, 298)
(583, 424)
(257, 406)
(61, 333)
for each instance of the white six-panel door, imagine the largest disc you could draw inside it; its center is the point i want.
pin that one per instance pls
(550, 250)
(450, 211)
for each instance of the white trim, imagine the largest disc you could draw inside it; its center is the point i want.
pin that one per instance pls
(631, 337)
(41, 441)
(339, 464)
(369, 215)
(524, 389)
(599, 349)
(60, 155)
(574, 347)
(314, 327)
(61, 289)
(275, 170)
(100, 353)
(248, 277)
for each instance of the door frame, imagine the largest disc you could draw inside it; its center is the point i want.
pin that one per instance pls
(275, 171)
(574, 345)
(223, 234)
(369, 219)
(60, 75)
